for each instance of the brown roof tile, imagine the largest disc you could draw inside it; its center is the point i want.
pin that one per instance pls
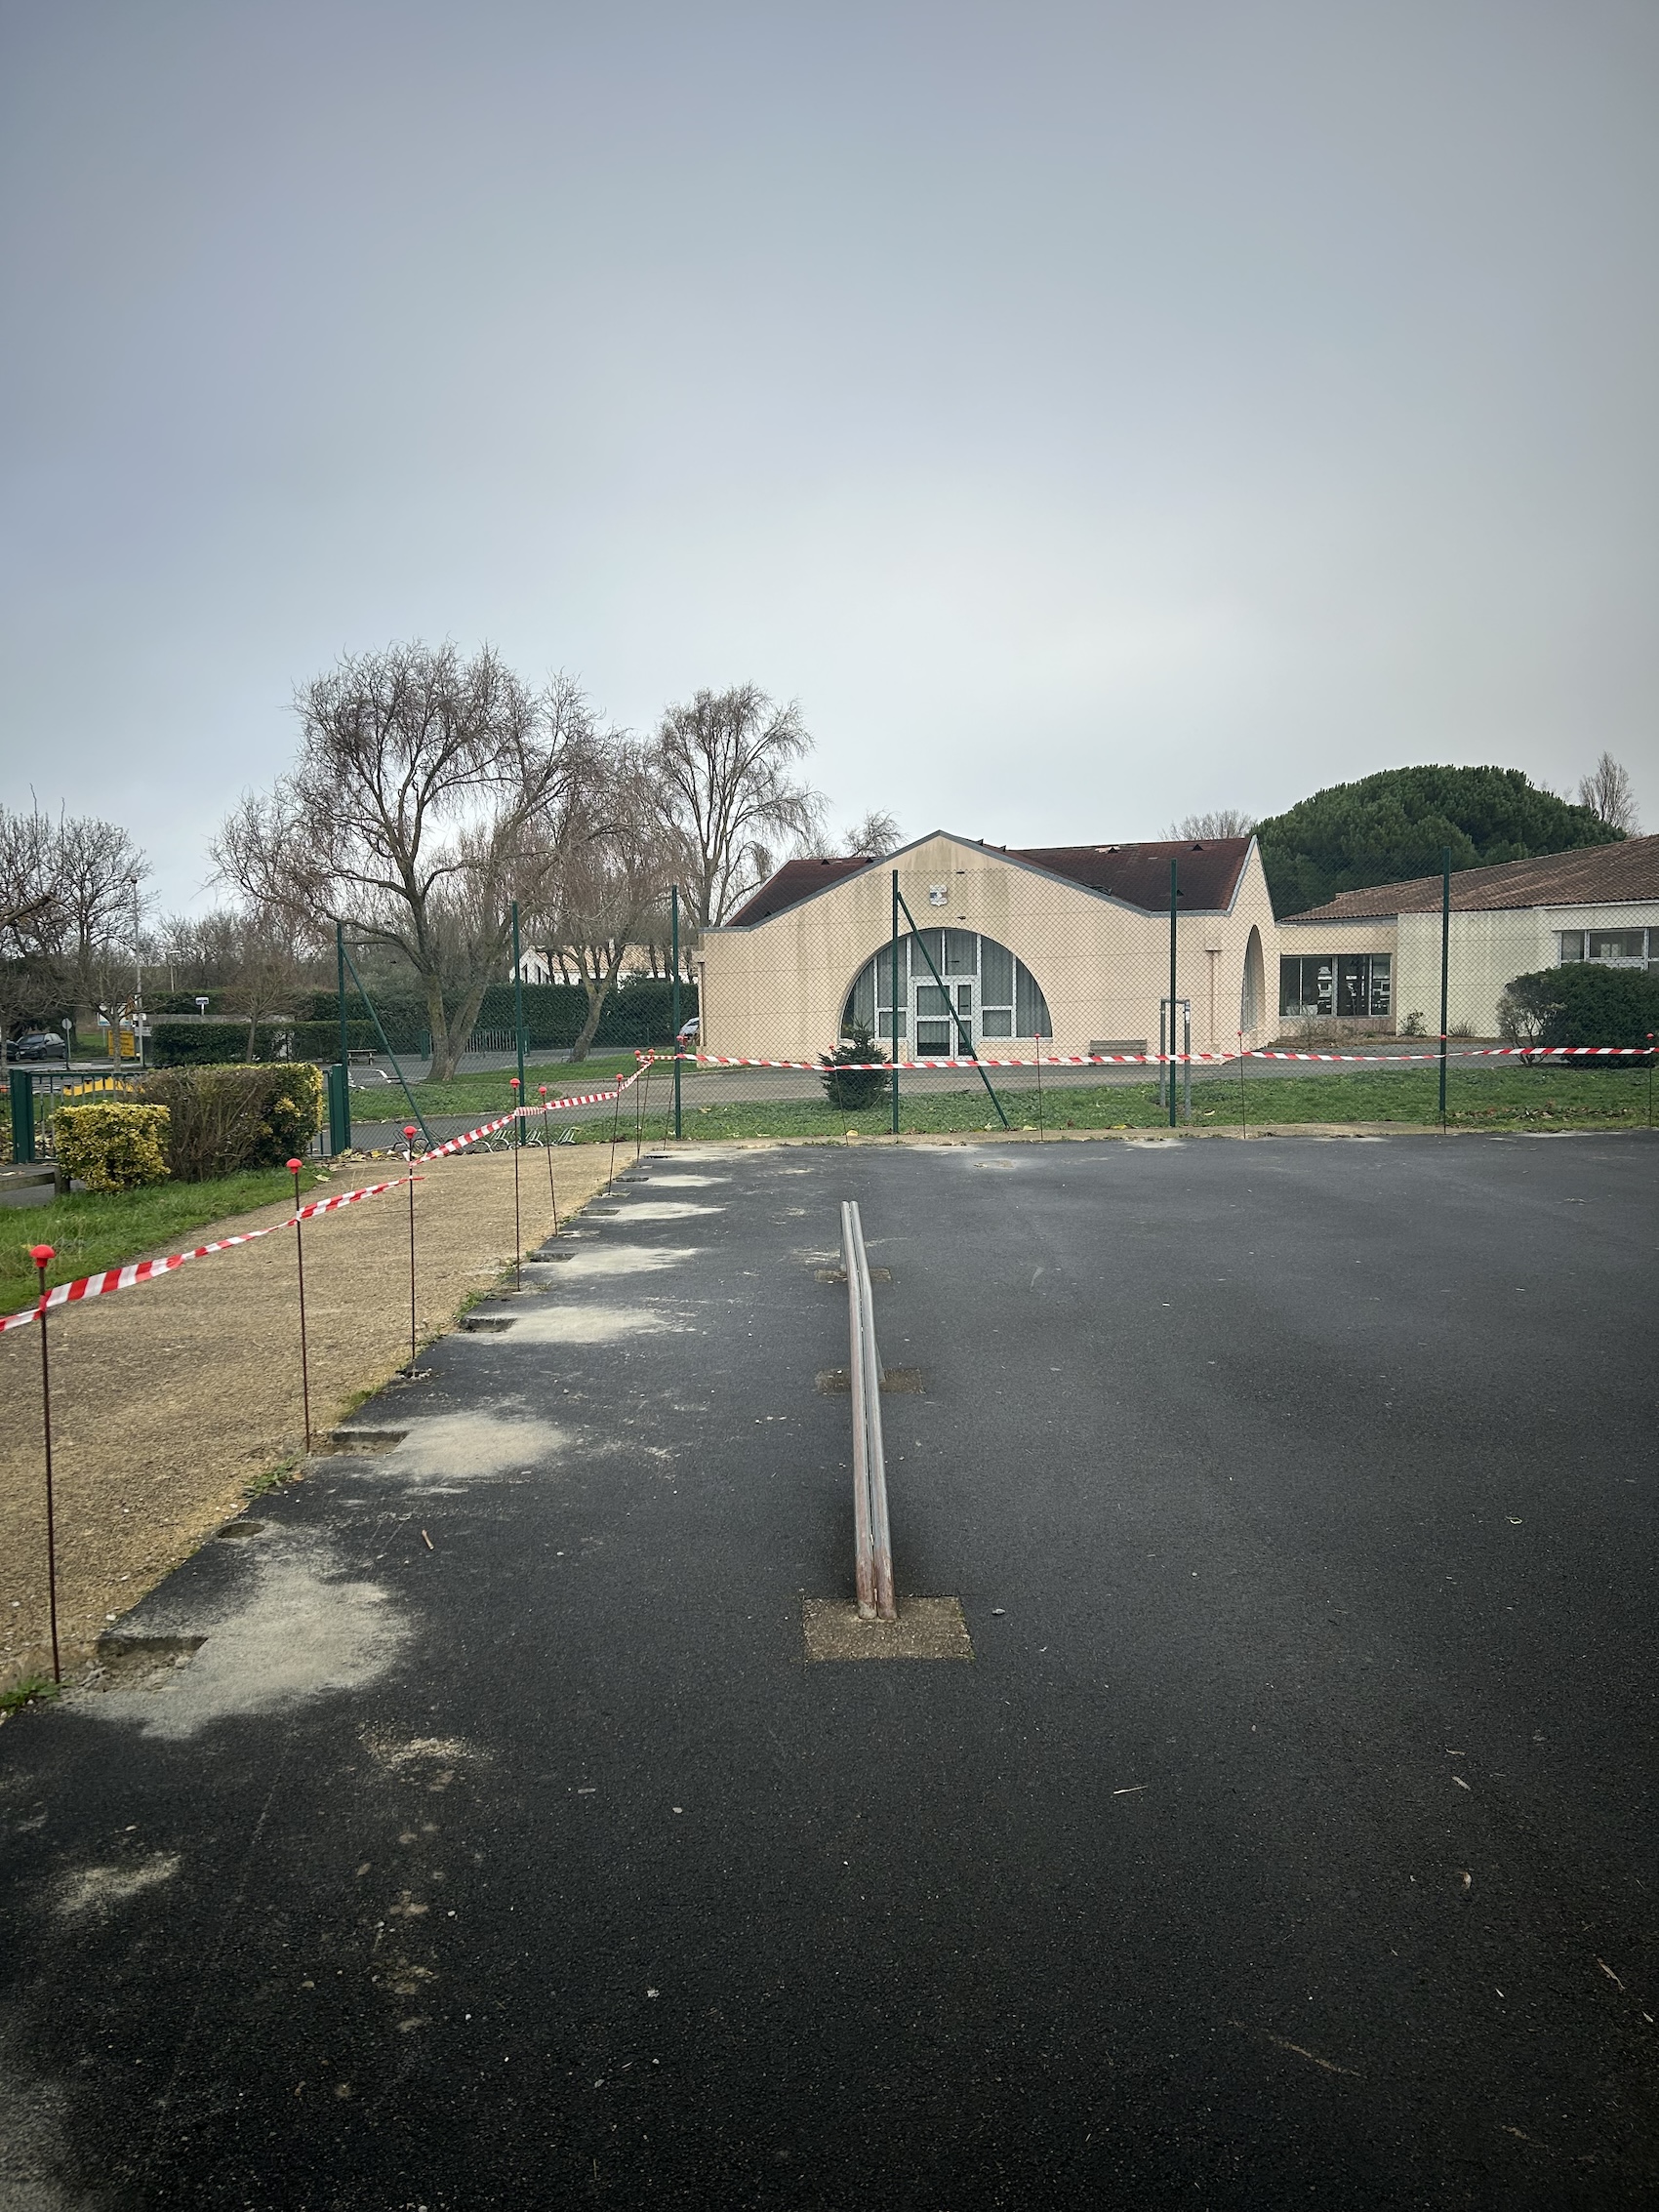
(1593, 875)
(1208, 872)
(1137, 875)
(794, 881)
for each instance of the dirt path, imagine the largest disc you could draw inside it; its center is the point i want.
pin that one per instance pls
(170, 1400)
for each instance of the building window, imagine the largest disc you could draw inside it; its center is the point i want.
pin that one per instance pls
(1325, 985)
(983, 991)
(1611, 947)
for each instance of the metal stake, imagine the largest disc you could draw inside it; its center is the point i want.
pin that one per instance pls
(409, 1137)
(1243, 1111)
(517, 1141)
(547, 1148)
(43, 1255)
(294, 1167)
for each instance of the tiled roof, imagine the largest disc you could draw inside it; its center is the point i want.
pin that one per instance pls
(1137, 875)
(794, 881)
(1593, 875)
(1207, 872)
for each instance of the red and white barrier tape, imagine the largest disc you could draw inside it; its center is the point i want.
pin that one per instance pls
(1528, 1053)
(146, 1271)
(139, 1271)
(527, 1113)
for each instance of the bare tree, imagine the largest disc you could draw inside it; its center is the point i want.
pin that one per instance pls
(101, 877)
(720, 765)
(30, 902)
(1606, 791)
(1219, 822)
(430, 792)
(609, 890)
(265, 972)
(875, 836)
(32, 916)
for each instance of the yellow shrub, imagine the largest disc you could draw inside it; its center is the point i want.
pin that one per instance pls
(110, 1147)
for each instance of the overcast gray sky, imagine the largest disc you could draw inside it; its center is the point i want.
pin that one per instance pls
(1089, 413)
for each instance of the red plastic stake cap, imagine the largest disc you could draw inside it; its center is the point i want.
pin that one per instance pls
(294, 1166)
(513, 1081)
(42, 1254)
(409, 1129)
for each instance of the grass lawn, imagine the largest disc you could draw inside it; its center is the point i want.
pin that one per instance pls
(1507, 1097)
(487, 1092)
(89, 1231)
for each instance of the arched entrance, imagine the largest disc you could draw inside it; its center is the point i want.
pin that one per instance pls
(986, 994)
(1252, 997)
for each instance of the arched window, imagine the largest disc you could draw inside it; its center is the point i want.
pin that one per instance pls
(983, 993)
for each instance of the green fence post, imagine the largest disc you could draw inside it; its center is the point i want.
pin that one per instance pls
(674, 959)
(1445, 967)
(1174, 894)
(23, 1116)
(518, 1024)
(339, 1111)
(339, 1120)
(893, 1010)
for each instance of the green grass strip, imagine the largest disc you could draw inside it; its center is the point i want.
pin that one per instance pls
(488, 1092)
(91, 1231)
(1506, 1099)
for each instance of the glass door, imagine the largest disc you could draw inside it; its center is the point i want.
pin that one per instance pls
(938, 1035)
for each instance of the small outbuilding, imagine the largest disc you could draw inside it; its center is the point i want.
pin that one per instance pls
(1069, 943)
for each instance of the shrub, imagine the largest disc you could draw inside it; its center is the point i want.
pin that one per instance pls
(222, 1119)
(112, 1146)
(846, 1084)
(1581, 1004)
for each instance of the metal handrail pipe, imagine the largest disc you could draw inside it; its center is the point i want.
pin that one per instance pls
(864, 1547)
(871, 1530)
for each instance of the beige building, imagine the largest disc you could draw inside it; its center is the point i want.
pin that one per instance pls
(1373, 957)
(1066, 943)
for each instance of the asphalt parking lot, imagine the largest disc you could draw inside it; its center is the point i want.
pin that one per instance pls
(468, 1828)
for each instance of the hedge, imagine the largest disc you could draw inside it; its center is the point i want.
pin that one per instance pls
(219, 1044)
(1582, 1003)
(112, 1146)
(222, 1119)
(639, 1013)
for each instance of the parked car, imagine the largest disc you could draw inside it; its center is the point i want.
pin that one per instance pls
(39, 1044)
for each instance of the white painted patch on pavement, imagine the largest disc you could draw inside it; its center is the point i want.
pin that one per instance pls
(465, 1446)
(665, 1209)
(552, 1324)
(618, 1259)
(300, 1628)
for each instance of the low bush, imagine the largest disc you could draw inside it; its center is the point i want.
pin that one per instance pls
(110, 1146)
(224, 1119)
(1581, 1004)
(847, 1084)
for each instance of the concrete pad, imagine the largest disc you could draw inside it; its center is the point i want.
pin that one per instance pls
(927, 1627)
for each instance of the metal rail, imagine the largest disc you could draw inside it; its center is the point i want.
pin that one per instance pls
(873, 1541)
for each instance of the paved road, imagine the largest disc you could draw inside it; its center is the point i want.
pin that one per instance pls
(1289, 1841)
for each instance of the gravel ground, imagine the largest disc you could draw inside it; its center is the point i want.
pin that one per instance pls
(170, 1400)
